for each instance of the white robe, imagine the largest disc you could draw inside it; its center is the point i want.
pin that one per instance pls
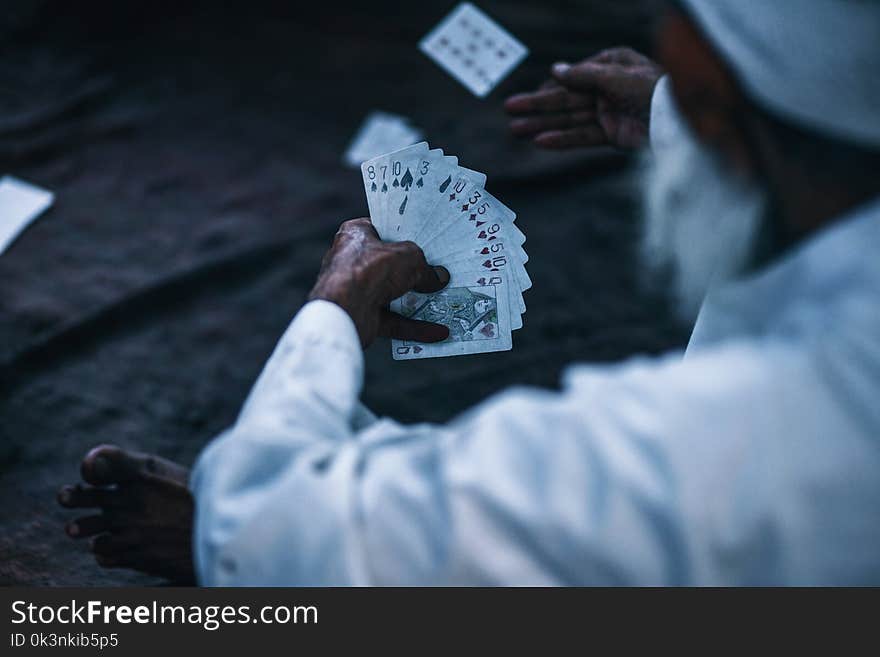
(753, 460)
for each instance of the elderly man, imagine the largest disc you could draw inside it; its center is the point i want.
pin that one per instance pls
(755, 459)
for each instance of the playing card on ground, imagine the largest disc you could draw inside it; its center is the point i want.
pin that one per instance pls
(20, 204)
(380, 133)
(423, 195)
(473, 49)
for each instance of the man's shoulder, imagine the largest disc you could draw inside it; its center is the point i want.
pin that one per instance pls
(769, 381)
(724, 365)
(718, 383)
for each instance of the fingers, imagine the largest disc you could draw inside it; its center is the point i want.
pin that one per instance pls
(558, 117)
(352, 234)
(358, 223)
(552, 99)
(619, 55)
(573, 138)
(417, 275)
(532, 125)
(87, 526)
(83, 497)
(588, 76)
(109, 464)
(433, 279)
(396, 326)
(412, 272)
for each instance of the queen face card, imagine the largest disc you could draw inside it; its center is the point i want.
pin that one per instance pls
(473, 49)
(474, 307)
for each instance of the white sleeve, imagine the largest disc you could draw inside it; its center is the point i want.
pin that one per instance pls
(629, 475)
(280, 457)
(512, 492)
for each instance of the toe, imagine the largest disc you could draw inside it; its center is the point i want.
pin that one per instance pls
(80, 497)
(86, 526)
(65, 496)
(109, 464)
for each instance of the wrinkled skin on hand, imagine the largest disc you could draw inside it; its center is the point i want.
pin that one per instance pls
(139, 512)
(362, 275)
(604, 100)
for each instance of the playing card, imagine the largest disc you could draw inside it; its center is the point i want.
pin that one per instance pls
(469, 207)
(380, 133)
(382, 175)
(476, 233)
(437, 180)
(514, 293)
(418, 172)
(20, 204)
(415, 210)
(512, 261)
(447, 192)
(476, 223)
(425, 196)
(474, 49)
(475, 308)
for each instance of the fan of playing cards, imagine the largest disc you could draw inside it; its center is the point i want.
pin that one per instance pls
(424, 196)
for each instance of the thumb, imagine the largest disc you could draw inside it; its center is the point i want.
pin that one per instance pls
(397, 327)
(432, 279)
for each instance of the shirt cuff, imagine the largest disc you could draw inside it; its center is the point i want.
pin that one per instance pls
(324, 322)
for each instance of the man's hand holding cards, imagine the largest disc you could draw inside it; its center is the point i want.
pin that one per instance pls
(423, 196)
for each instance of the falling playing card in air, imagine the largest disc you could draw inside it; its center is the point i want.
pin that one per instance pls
(380, 133)
(20, 204)
(474, 49)
(424, 196)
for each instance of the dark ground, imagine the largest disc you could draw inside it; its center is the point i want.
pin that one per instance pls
(195, 153)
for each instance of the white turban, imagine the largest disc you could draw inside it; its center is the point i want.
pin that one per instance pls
(813, 62)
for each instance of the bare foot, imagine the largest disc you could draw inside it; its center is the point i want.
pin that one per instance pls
(145, 512)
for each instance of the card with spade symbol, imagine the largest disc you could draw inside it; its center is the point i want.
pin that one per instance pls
(423, 195)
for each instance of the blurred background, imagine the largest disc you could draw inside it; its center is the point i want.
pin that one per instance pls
(195, 151)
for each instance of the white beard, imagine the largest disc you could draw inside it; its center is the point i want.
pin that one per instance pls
(700, 221)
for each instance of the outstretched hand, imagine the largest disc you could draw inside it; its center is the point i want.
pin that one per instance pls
(604, 100)
(362, 275)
